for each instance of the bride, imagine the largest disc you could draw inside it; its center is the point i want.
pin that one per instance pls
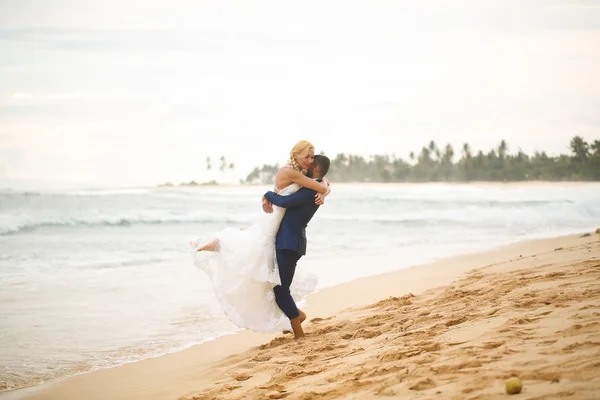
(241, 263)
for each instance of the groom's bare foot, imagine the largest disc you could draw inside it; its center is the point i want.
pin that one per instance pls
(297, 325)
(297, 328)
(301, 317)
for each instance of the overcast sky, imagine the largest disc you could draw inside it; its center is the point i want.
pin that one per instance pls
(139, 92)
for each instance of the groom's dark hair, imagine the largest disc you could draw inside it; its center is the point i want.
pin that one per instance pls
(323, 163)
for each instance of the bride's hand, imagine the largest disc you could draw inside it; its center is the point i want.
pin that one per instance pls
(320, 198)
(267, 206)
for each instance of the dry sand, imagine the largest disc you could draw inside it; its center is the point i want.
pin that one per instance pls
(451, 330)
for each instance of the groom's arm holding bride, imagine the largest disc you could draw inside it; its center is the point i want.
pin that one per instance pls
(301, 197)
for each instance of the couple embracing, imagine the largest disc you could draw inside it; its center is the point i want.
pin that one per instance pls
(252, 269)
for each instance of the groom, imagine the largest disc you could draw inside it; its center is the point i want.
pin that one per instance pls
(290, 242)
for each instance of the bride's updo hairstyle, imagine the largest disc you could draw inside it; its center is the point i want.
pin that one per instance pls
(299, 148)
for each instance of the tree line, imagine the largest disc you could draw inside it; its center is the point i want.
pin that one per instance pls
(435, 164)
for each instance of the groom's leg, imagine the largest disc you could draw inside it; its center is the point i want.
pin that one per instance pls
(286, 260)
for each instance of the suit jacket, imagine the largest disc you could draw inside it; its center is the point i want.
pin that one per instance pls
(300, 209)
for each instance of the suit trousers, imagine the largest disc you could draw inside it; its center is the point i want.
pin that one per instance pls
(286, 260)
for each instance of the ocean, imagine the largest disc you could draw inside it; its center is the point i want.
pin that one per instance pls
(92, 279)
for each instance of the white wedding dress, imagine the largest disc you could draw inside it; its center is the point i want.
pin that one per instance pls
(244, 271)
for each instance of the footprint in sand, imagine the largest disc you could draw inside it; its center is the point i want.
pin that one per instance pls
(241, 377)
(423, 384)
(261, 357)
(367, 334)
(585, 345)
(318, 319)
(492, 345)
(277, 395)
(456, 321)
(547, 342)
(578, 329)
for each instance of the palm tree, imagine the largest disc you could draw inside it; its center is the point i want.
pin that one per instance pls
(465, 162)
(502, 149)
(449, 152)
(446, 163)
(423, 168)
(594, 161)
(580, 148)
(425, 156)
(434, 150)
(595, 146)
(466, 151)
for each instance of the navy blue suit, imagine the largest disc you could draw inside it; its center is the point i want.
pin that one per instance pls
(290, 243)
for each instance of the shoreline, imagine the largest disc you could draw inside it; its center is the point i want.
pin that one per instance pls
(177, 374)
(454, 183)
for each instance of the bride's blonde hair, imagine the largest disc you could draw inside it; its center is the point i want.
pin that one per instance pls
(298, 148)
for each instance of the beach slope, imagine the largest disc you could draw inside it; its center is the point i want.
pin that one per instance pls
(452, 329)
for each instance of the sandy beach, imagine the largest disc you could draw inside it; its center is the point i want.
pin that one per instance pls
(452, 329)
